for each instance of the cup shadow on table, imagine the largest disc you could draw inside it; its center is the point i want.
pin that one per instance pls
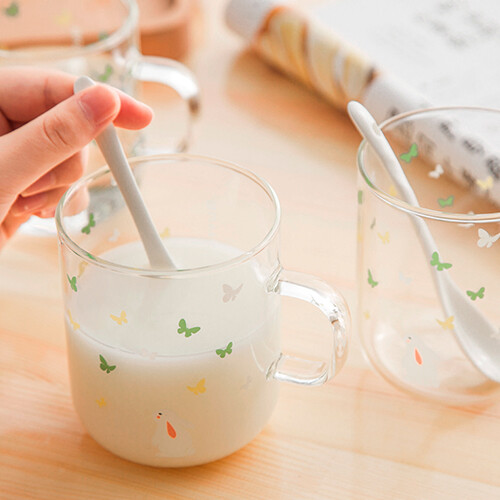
(422, 442)
(132, 475)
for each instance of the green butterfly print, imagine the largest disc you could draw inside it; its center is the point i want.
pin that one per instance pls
(228, 350)
(183, 329)
(373, 223)
(103, 35)
(439, 265)
(371, 281)
(72, 283)
(446, 202)
(86, 229)
(360, 197)
(90, 256)
(12, 10)
(108, 71)
(104, 365)
(476, 295)
(412, 153)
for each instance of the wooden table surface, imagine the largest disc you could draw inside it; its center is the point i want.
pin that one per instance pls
(357, 437)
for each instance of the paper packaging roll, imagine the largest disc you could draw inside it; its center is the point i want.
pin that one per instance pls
(300, 47)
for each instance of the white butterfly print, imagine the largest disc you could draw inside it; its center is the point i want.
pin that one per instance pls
(405, 279)
(437, 172)
(485, 239)
(114, 236)
(230, 293)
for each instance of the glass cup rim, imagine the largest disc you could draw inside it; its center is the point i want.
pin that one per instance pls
(65, 239)
(407, 207)
(113, 40)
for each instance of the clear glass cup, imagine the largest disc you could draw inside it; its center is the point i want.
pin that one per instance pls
(181, 367)
(451, 158)
(98, 39)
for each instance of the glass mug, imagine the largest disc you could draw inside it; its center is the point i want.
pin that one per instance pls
(404, 330)
(98, 39)
(181, 367)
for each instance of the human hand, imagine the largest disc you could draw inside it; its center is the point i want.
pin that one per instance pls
(44, 129)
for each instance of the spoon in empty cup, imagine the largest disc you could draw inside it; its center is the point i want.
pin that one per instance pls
(475, 334)
(113, 153)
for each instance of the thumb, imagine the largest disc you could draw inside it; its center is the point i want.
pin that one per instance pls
(32, 150)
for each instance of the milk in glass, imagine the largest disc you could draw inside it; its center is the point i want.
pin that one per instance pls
(172, 372)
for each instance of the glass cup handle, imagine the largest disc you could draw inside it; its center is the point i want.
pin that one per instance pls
(174, 75)
(332, 305)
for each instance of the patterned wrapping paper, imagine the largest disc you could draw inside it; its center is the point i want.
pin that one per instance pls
(314, 55)
(309, 52)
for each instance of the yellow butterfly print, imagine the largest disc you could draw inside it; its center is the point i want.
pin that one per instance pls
(81, 267)
(165, 233)
(121, 319)
(447, 324)
(74, 324)
(393, 191)
(486, 183)
(101, 402)
(199, 388)
(367, 314)
(384, 237)
(64, 19)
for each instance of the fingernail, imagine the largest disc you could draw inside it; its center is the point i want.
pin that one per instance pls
(43, 184)
(29, 204)
(98, 104)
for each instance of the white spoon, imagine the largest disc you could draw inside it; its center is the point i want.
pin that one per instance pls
(113, 153)
(475, 334)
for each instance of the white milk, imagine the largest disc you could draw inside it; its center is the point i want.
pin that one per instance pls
(171, 399)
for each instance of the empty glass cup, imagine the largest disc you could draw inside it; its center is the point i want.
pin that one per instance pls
(451, 157)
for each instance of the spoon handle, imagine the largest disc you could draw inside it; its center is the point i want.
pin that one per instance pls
(113, 153)
(369, 129)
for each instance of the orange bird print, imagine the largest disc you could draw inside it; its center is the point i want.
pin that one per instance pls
(170, 430)
(172, 438)
(420, 363)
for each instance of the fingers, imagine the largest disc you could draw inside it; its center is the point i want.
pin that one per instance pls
(133, 115)
(64, 174)
(26, 93)
(29, 152)
(10, 225)
(38, 203)
(42, 124)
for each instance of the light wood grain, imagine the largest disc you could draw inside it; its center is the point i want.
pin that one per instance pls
(355, 438)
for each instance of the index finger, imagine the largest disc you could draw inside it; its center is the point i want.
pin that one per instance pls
(27, 92)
